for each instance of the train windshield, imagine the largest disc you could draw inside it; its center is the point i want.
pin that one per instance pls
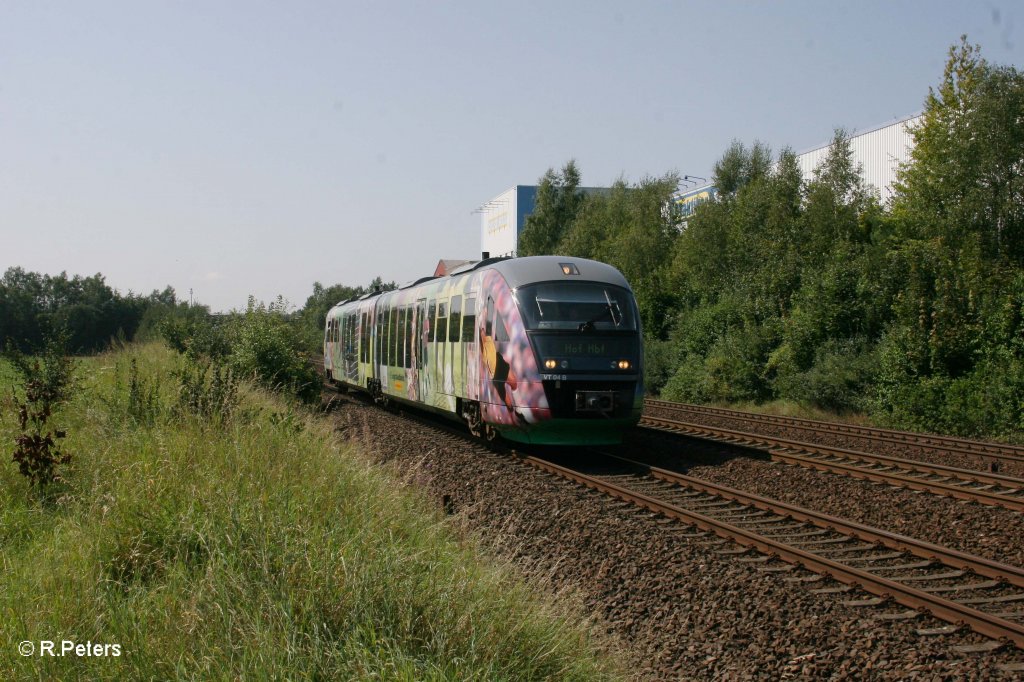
(581, 306)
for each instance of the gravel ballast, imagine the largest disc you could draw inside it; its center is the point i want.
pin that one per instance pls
(680, 609)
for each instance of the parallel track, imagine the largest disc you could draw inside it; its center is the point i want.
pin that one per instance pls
(803, 538)
(807, 539)
(930, 442)
(964, 484)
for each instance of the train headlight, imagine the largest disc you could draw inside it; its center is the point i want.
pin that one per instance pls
(550, 364)
(623, 364)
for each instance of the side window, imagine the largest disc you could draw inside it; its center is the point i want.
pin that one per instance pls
(364, 338)
(400, 344)
(376, 336)
(455, 319)
(500, 330)
(393, 337)
(442, 320)
(409, 336)
(469, 322)
(431, 319)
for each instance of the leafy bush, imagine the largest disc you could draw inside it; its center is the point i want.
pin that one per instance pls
(47, 381)
(733, 370)
(195, 332)
(659, 363)
(266, 346)
(839, 379)
(987, 402)
(688, 384)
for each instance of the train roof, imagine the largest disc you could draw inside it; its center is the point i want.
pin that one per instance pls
(520, 272)
(530, 269)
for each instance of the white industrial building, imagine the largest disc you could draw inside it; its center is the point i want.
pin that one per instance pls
(502, 219)
(879, 151)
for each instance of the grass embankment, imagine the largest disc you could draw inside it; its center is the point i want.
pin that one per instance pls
(248, 546)
(789, 408)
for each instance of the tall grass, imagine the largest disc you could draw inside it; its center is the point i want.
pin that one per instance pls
(250, 546)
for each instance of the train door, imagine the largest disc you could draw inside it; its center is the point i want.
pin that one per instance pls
(364, 346)
(352, 349)
(338, 355)
(343, 346)
(430, 353)
(407, 348)
(420, 345)
(455, 361)
(393, 348)
(440, 345)
(470, 358)
(379, 316)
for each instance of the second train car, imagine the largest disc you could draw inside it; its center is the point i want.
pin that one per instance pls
(541, 349)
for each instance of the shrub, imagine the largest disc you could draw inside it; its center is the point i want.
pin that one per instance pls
(47, 381)
(733, 370)
(265, 345)
(839, 378)
(659, 361)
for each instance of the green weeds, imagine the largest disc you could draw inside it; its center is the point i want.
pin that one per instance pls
(46, 382)
(250, 548)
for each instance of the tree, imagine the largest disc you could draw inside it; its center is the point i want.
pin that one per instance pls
(558, 202)
(313, 315)
(965, 182)
(740, 166)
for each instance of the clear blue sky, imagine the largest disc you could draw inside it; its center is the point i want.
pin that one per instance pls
(256, 147)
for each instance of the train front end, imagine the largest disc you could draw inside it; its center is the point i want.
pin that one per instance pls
(583, 384)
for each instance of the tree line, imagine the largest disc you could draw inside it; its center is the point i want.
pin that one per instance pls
(86, 311)
(813, 291)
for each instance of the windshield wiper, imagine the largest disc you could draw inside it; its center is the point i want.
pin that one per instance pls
(588, 326)
(610, 310)
(613, 306)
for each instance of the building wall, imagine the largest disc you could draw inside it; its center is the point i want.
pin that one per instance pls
(685, 201)
(880, 151)
(502, 218)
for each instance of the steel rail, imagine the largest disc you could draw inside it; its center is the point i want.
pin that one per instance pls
(771, 444)
(987, 624)
(944, 609)
(963, 446)
(926, 550)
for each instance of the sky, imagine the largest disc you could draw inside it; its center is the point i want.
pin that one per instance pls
(254, 148)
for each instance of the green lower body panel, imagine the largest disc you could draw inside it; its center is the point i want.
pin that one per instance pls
(571, 431)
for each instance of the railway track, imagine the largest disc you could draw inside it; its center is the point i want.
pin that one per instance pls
(983, 595)
(964, 484)
(986, 451)
(961, 589)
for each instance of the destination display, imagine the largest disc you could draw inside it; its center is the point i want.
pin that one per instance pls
(563, 346)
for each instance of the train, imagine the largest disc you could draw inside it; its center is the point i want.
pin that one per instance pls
(544, 350)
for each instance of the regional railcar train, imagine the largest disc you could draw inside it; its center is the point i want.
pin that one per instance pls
(542, 349)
